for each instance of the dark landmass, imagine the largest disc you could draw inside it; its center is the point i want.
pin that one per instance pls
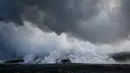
(17, 60)
(120, 56)
(64, 68)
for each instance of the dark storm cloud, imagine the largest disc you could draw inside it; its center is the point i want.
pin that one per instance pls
(67, 16)
(10, 10)
(61, 15)
(126, 12)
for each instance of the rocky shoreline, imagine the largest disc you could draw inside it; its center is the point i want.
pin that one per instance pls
(64, 68)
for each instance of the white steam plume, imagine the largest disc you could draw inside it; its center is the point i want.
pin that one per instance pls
(30, 41)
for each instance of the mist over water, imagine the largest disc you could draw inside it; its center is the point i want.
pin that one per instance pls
(84, 31)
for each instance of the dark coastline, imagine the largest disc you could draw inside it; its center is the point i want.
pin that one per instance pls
(64, 68)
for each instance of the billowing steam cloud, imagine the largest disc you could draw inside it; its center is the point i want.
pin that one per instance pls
(31, 42)
(89, 20)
